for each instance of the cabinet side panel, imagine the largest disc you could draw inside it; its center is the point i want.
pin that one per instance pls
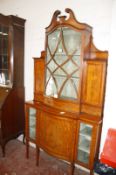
(39, 71)
(93, 86)
(13, 114)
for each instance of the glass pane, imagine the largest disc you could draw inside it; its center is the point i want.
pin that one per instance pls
(60, 72)
(48, 74)
(69, 90)
(85, 135)
(32, 123)
(69, 67)
(4, 61)
(0, 40)
(75, 82)
(52, 65)
(60, 80)
(72, 40)
(0, 62)
(60, 59)
(4, 64)
(48, 55)
(76, 59)
(60, 50)
(53, 39)
(51, 89)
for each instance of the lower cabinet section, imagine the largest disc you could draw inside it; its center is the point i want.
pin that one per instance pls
(67, 136)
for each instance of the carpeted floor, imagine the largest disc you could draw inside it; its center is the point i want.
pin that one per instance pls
(16, 163)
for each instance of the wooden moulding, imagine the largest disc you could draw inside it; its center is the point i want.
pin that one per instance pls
(58, 20)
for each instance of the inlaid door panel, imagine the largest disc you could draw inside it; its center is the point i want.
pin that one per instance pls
(56, 134)
(39, 73)
(93, 85)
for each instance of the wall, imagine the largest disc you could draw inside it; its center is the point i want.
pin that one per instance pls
(110, 101)
(99, 14)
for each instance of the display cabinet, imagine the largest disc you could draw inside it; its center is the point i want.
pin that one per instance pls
(69, 91)
(12, 118)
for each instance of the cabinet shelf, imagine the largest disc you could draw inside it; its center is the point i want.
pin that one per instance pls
(3, 69)
(84, 149)
(87, 137)
(65, 76)
(63, 54)
(83, 156)
(4, 54)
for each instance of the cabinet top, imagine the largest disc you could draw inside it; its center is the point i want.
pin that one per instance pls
(68, 19)
(11, 20)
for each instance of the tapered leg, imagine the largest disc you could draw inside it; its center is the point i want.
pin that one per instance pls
(37, 155)
(72, 169)
(24, 138)
(3, 150)
(27, 148)
(91, 172)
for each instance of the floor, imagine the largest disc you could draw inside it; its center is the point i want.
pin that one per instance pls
(16, 163)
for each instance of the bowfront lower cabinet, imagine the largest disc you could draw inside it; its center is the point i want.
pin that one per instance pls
(65, 117)
(12, 120)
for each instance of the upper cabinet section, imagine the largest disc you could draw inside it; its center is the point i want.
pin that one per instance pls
(64, 53)
(74, 70)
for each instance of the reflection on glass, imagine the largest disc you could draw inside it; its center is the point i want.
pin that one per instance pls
(70, 66)
(51, 89)
(63, 63)
(4, 64)
(52, 65)
(53, 39)
(69, 90)
(32, 123)
(60, 59)
(61, 49)
(85, 135)
(72, 41)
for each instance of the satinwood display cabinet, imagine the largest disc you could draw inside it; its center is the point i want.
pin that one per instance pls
(65, 117)
(12, 120)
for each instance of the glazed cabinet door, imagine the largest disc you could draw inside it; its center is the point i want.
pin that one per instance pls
(4, 55)
(63, 63)
(87, 143)
(31, 123)
(30, 126)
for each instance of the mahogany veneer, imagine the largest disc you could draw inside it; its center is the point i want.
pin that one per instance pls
(69, 90)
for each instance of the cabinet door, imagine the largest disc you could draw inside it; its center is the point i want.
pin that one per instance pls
(31, 123)
(63, 63)
(56, 135)
(87, 140)
(4, 56)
